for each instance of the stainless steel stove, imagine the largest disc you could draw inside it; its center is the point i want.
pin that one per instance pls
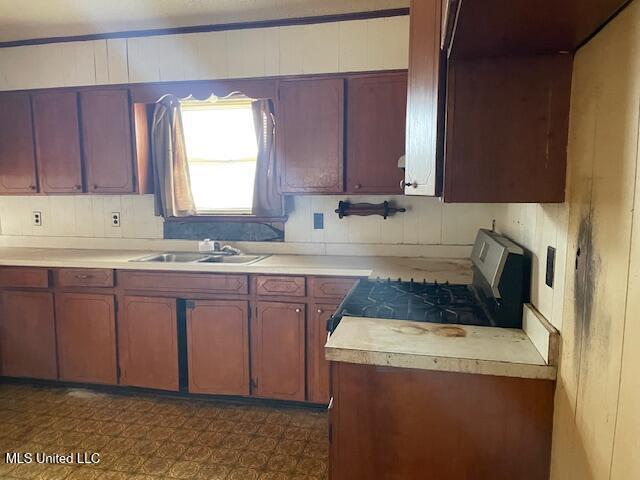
(495, 298)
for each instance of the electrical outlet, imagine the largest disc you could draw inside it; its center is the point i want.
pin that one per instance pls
(318, 221)
(37, 218)
(115, 219)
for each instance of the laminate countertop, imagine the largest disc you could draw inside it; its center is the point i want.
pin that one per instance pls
(428, 346)
(419, 269)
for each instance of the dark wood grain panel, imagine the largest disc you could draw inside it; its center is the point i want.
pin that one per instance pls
(184, 282)
(17, 277)
(317, 364)
(508, 144)
(328, 287)
(106, 140)
(148, 343)
(376, 113)
(28, 335)
(84, 277)
(17, 153)
(281, 285)
(392, 423)
(423, 99)
(57, 137)
(278, 351)
(218, 347)
(311, 136)
(86, 336)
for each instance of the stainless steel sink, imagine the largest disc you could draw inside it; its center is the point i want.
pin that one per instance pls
(187, 257)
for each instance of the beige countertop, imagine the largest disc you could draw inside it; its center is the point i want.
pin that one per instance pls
(428, 346)
(429, 269)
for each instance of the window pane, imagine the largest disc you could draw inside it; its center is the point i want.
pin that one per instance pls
(221, 150)
(219, 133)
(223, 186)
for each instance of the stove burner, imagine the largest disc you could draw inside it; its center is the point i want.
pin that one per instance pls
(415, 301)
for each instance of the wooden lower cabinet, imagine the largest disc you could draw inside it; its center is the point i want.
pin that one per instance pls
(399, 424)
(86, 332)
(278, 350)
(218, 346)
(27, 335)
(148, 343)
(317, 365)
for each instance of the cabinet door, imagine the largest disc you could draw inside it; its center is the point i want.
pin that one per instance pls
(218, 347)
(27, 335)
(317, 365)
(310, 121)
(57, 135)
(86, 333)
(278, 351)
(106, 140)
(376, 111)
(422, 176)
(17, 154)
(148, 343)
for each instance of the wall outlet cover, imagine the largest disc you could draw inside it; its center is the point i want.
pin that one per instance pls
(551, 266)
(115, 219)
(318, 221)
(36, 217)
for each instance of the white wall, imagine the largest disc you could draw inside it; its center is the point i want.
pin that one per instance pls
(359, 45)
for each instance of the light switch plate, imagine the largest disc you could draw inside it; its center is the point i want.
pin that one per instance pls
(36, 217)
(115, 219)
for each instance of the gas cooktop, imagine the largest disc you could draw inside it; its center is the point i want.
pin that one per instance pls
(415, 301)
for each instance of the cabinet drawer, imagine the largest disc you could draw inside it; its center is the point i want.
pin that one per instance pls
(331, 287)
(283, 286)
(24, 277)
(184, 282)
(85, 277)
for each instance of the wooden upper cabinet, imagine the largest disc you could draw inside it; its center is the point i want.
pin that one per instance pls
(278, 351)
(57, 140)
(218, 347)
(28, 335)
(86, 327)
(148, 343)
(507, 129)
(17, 153)
(107, 141)
(376, 111)
(422, 173)
(310, 131)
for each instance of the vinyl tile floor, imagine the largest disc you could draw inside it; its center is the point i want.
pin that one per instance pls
(153, 438)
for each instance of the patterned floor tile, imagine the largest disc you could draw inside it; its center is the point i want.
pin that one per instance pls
(149, 437)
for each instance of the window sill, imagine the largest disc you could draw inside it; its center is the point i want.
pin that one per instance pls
(228, 218)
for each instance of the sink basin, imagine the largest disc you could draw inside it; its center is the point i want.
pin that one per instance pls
(188, 257)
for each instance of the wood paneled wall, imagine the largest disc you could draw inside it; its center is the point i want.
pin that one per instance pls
(597, 426)
(347, 46)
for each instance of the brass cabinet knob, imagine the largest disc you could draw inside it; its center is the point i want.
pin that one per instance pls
(320, 310)
(298, 310)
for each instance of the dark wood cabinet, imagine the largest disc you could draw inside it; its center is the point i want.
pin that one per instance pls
(278, 350)
(310, 138)
(423, 165)
(27, 335)
(396, 423)
(86, 335)
(107, 140)
(218, 346)
(507, 129)
(376, 113)
(57, 142)
(148, 343)
(317, 365)
(17, 153)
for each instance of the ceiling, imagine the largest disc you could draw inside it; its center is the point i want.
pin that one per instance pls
(20, 19)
